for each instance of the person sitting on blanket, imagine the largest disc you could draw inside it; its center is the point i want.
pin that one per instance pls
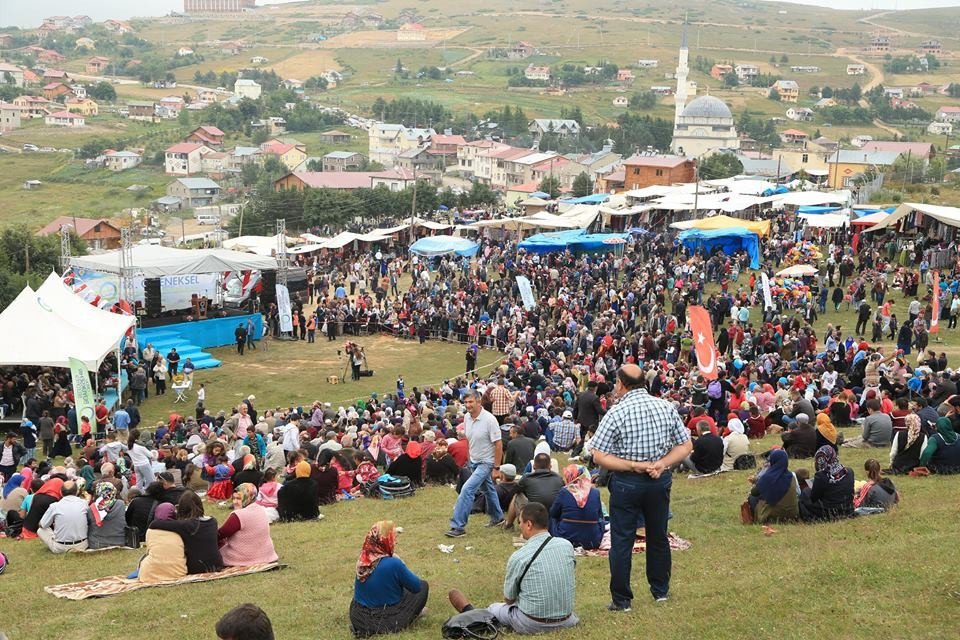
(64, 525)
(540, 584)
(577, 513)
(707, 454)
(165, 559)
(244, 537)
(297, 499)
(387, 596)
(106, 521)
(246, 622)
(775, 492)
(199, 534)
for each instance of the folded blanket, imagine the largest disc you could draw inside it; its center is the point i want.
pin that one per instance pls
(101, 549)
(113, 585)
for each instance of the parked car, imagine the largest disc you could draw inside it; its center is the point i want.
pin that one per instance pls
(30, 147)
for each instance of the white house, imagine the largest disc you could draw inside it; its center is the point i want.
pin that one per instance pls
(948, 114)
(800, 114)
(940, 128)
(258, 60)
(648, 63)
(621, 101)
(561, 127)
(746, 72)
(536, 72)
(245, 88)
(856, 70)
(185, 158)
(860, 140)
(122, 160)
(184, 51)
(65, 119)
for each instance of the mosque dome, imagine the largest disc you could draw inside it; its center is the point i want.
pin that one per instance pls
(707, 107)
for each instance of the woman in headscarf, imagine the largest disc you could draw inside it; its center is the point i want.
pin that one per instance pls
(12, 504)
(409, 464)
(826, 432)
(50, 492)
(244, 537)
(942, 453)
(831, 496)
(297, 498)
(61, 446)
(106, 521)
(249, 472)
(198, 532)
(775, 491)
(16, 480)
(577, 513)
(441, 468)
(86, 472)
(165, 558)
(735, 444)
(908, 446)
(840, 409)
(387, 596)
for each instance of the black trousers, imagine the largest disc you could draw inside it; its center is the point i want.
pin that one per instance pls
(366, 622)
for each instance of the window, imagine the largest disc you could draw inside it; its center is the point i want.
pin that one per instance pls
(636, 171)
(659, 172)
(805, 158)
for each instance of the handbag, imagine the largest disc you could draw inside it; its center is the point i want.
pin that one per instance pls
(478, 624)
(131, 537)
(746, 513)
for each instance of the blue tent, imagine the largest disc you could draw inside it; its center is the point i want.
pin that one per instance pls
(817, 210)
(574, 240)
(773, 191)
(598, 241)
(729, 240)
(443, 245)
(596, 198)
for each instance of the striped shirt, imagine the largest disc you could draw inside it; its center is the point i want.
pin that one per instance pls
(549, 588)
(640, 427)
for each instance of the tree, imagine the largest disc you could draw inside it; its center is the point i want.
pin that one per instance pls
(826, 92)
(643, 100)
(184, 117)
(102, 92)
(784, 59)
(774, 95)
(481, 194)
(398, 68)
(730, 80)
(720, 166)
(856, 92)
(773, 60)
(582, 185)
(550, 185)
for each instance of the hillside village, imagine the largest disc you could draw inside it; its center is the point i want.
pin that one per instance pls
(205, 126)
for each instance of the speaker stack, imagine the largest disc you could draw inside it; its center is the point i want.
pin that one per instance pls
(268, 295)
(151, 297)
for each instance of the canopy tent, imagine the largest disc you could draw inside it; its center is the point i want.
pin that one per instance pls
(543, 195)
(444, 245)
(59, 296)
(155, 261)
(798, 271)
(312, 239)
(304, 248)
(871, 219)
(260, 245)
(759, 227)
(949, 216)
(816, 210)
(344, 238)
(47, 332)
(574, 240)
(577, 217)
(417, 222)
(596, 198)
(727, 202)
(749, 187)
(534, 202)
(814, 198)
(729, 240)
(825, 220)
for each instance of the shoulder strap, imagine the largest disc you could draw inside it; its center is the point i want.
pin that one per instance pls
(529, 564)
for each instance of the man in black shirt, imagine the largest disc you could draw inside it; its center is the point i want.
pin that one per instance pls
(707, 455)
(173, 360)
(588, 410)
(240, 335)
(519, 451)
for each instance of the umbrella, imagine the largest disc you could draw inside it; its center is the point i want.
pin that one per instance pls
(798, 271)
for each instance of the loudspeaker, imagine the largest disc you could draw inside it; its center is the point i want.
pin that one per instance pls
(268, 295)
(151, 297)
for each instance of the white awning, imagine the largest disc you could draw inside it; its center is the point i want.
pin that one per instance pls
(154, 261)
(825, 220)
(949, 216)
(813, 198)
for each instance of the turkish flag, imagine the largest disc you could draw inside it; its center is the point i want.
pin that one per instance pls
(935, 311)
(703, 341)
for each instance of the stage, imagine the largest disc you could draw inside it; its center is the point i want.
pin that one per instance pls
(191, 338)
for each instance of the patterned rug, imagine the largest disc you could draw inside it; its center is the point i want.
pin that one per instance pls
(113, 585)
(639, 546)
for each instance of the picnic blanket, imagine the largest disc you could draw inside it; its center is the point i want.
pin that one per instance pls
(101, 549)
(113, 585)
(639, 546)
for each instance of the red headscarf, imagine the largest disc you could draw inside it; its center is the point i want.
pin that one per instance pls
(53, 488)
(378, 545)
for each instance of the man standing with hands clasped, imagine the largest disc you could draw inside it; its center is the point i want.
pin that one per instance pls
(639, 440)
(486, 452)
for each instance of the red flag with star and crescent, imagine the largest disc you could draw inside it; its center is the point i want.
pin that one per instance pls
(703, 342)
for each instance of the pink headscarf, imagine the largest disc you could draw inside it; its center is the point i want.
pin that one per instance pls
(164, 511)
(27, 474)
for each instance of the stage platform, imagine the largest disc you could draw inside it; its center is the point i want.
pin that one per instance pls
(191, 338)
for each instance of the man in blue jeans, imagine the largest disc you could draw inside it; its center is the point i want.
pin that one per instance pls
(486, 452)
(638, 440)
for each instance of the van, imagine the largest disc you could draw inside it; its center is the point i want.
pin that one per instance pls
(208, 218)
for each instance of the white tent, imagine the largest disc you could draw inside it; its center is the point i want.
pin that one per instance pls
(813, 198)
(745, 187)
(34, 332)
(68, 304)
(949, 216)
(825, 220)
(153, 261)
(260, 245)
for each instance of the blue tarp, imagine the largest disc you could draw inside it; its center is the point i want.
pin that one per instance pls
(729, 240)
(541, 195)
(574, 240)
(596, 198)
(817, 210)
(442, 245)
(775, 191)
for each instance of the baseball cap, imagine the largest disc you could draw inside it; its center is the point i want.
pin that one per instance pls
(568, 414)
(508, 470)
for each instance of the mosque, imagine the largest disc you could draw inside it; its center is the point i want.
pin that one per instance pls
(705, 124)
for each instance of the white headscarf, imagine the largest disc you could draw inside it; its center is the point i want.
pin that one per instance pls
(735, 425)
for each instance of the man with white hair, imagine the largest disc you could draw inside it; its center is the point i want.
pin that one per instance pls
(801, 440)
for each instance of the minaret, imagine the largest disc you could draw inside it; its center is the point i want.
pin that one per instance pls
(682, 71)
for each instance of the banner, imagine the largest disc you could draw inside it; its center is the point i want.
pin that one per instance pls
(283, 306)
(526, 293)
(83, 393)
(767, 298)
(935, 311)
(176, 292)
(703, 342)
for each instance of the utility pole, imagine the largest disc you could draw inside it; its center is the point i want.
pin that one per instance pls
(413, 206)
(183, 233)
(696, 189)
(779, 160)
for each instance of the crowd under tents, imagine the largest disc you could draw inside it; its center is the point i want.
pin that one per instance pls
(46, 327)
(911, 215)
(575, 240)
(431, 246)
(729, 241)
(760, 227)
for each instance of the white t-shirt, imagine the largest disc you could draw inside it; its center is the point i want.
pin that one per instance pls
(482, 434)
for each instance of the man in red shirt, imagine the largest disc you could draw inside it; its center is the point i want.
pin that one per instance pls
(459, 450)
(102, 413)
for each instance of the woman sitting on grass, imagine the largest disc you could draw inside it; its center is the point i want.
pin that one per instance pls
(831, 496)
(165, 559)
(774, 496)
(878, 491)
(942, 453)
(577, 513)
(244, 537)
(297, 498)
(106, 519)
(387, 596)
(198, 532)
(908, 445)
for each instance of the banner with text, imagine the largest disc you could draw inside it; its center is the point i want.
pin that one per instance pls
(935, 310)
(83, 393)
(526, 293)
(767, 297)
(283, 306)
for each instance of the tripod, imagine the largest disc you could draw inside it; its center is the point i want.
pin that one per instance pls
(346, 365)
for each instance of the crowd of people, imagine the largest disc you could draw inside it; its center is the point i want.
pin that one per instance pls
(601, 373)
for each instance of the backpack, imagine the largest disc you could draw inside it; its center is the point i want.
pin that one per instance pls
(394, 487)
(746, 348)
(714, 390)
(746, 461)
